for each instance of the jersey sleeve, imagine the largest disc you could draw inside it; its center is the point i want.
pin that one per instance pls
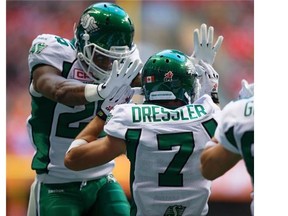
(117, 124)
(50, 50)
(226, 120)
(207, 101)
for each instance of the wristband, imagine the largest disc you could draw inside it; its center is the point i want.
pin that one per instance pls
(102, 115)
(33, 92)
(76, 143)
(91, 93)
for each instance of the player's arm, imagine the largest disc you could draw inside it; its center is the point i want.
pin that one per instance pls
(47, 81)
(203, 45)
(96, 152)
(216, 160)
(87, 150)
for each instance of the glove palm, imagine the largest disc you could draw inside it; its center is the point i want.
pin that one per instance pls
(120, 76)
(203, 47)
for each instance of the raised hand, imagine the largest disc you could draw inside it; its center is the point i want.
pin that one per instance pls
(120, 76)
(203, 44)
(247, 89)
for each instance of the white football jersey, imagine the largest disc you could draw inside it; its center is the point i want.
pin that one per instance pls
(53, 126)
(235, 130)
(164, 147)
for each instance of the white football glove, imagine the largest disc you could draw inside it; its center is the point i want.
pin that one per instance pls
(117, 96)
(120, 76)
(208, 80)
(203, 47)
(247, 90)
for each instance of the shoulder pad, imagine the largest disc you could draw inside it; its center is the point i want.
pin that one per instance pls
(51, 50)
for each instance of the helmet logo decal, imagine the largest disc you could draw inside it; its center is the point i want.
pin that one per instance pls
(149, 79)
(168, 76)
(88, 22)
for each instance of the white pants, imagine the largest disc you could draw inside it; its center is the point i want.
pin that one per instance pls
(32, 205)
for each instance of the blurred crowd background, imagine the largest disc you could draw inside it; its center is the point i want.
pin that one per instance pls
(158, 25)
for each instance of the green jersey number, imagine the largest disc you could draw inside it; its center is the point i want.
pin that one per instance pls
(172, 176)
(64, 42)
(247, 142)
(65, 120)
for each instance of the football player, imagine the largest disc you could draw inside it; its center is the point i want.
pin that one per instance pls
(163, 138)
(233, 139)
(69, 81)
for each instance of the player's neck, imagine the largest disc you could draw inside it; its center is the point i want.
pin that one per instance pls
(171, 104)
